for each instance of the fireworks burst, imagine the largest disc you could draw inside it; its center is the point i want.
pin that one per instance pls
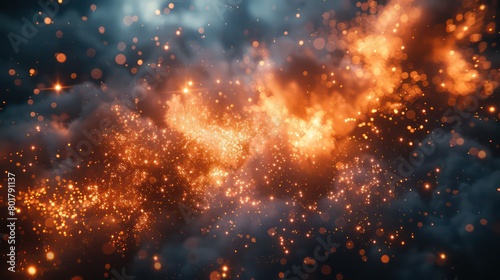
(297, 132)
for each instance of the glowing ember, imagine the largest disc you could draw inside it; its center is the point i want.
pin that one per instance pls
(281, 142)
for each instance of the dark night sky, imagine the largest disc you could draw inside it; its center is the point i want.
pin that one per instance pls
(264, 125)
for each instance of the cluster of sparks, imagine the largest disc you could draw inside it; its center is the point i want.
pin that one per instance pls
(290, 135)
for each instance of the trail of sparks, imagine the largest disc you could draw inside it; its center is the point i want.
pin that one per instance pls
(288, 139)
